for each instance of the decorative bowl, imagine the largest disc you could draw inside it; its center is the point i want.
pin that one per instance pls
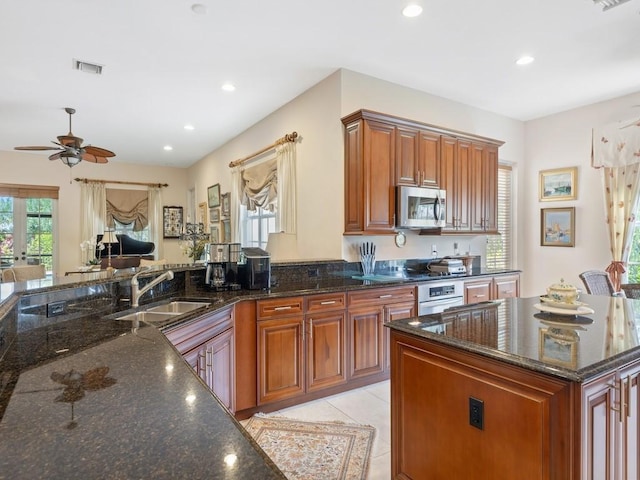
(563, 292)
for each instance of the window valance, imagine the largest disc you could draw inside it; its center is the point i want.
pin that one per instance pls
(616, 145)
(260, 186)
(28, 191)
(127, 206)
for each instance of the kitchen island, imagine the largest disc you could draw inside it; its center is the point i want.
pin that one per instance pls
(86, 395)
(501, 390)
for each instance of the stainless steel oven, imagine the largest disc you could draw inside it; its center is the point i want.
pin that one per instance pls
(438, 295)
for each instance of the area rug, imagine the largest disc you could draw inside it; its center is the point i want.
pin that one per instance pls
(314, 450)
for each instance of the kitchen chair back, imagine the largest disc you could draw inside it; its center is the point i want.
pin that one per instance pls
(597, 282)
(22, 273)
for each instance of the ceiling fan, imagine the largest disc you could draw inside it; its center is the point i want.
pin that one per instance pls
(70, 150)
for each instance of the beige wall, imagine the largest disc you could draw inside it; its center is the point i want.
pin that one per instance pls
(315, 115)
(564, 140)
(34, 169)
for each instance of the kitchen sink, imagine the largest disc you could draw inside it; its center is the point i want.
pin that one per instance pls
(149, 316)
(178, 307)
(164, 312)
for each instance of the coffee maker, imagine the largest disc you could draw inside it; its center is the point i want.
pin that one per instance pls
(255, 269)
(222, 266)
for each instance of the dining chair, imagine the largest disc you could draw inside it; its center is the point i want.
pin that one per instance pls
(21, 273)
(597, 282)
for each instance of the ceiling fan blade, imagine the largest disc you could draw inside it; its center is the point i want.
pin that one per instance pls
(100, 152)
(35, 148)
(55, 156)
(89, 157)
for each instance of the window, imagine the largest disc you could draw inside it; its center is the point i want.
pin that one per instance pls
(633, 264)
(127, 229)
(26, 231)
(256, 227)
(499, 247)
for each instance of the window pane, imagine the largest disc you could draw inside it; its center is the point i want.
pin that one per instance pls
(499, 247)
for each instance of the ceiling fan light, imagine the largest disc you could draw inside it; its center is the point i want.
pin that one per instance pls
(609, 4)
(70, 161)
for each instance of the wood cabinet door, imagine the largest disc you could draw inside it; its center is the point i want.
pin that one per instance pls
(477, 291)
(407, 169)
(326, 350)
(506, 286)
(365, 341)
(476, 187)
(490, 188)
(599, 429)
(448, 158)
(630, 438)
(379, 177)
(220, 367)
(354, 178)
(429, 159)
(394, 312)
(462, 177)
(280, 359)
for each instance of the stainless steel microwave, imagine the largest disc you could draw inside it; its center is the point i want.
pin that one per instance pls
(420, 207)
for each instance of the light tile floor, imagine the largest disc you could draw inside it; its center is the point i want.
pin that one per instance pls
(369, 405)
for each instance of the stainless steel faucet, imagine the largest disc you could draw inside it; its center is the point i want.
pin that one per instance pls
(137, 292)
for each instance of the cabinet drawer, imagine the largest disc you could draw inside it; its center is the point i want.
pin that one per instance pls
(189, 336)
(382, 296)
(280, 307)
(325, 303)
(507, 286)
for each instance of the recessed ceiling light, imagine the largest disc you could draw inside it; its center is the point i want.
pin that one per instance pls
(228, 87)
(525, 60)
(168, 148)
(412, 10)
(199, 9)
(188, 126)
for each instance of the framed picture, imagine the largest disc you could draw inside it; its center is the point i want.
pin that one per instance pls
(172, 222)
(226, 208)
(557, 227)
(213, 195)
(226, 231)
(558, 346)
(558, 184)
(214, 215)
(202, 213)
(215, 233)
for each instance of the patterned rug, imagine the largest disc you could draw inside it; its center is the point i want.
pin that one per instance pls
(314, 450)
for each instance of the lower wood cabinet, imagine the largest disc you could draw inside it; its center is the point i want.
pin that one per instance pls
(488, 288)
(610, 427)
(525, 426)
(369, 310)
(300, 353)
(207, 344)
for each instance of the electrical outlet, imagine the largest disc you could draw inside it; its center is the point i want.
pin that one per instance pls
(476, 413)
(55, 308)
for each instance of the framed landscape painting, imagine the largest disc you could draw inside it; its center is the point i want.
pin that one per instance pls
(213, 195)
(557, 227)
(558, 184)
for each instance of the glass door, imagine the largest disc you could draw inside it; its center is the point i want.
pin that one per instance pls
(26, 232)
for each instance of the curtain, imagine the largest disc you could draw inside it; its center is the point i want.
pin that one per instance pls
(260, 186)
(616, 147)
(156, 220)
(127, 206)
(234, 204)
(621, 185)
(286, 213)
(93, 210)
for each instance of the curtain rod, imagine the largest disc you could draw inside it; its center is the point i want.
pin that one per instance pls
(121, 182)
(289, 137)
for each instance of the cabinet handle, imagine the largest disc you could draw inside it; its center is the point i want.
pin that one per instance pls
(288, 307)
(621, 399)
(627, 396)
(328, 302)
(479, 296)
(505, 292)
(386, 296)
(311, 329)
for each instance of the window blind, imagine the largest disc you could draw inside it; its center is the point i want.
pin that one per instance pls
(28, 191)
(500, 247)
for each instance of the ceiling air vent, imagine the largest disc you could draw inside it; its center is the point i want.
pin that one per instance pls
(87, 67)
(609, 4)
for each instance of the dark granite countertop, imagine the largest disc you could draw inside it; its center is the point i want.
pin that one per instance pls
(573, 348)
(96, 397)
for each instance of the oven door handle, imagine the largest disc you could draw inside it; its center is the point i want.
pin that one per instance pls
(447, 301)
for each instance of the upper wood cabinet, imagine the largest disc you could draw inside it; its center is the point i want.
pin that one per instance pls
(383, 151)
